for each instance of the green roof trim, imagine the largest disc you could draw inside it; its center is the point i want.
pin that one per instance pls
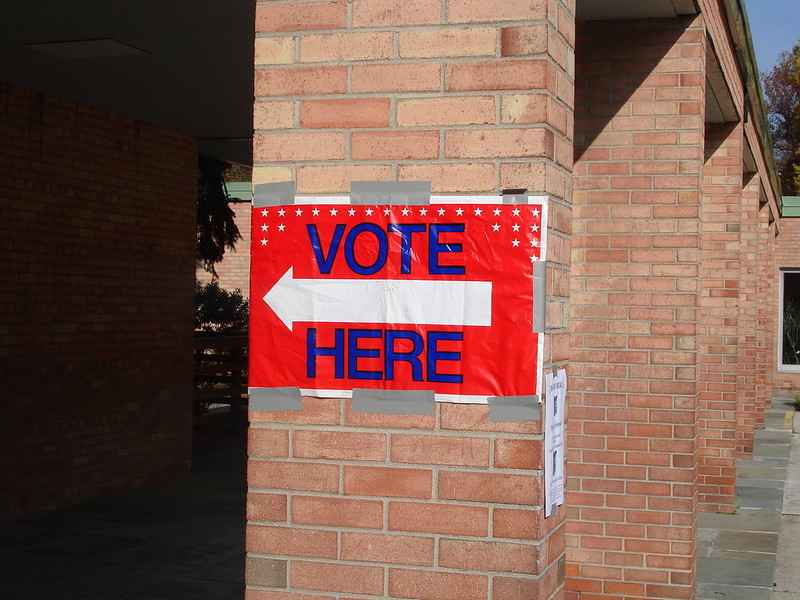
(790, 206)
(240, 191)
(737, 16)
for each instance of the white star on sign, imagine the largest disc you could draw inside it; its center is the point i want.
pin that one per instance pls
(423, 211)
(315, 212)
(535, 212)
(516, 212)
(281, 212)
(459, 211)
(534, 228)
(264, 227)
(299, 212)
(351, 212)
(264, 213)
(515, 242)
(515, 226)
(496, 227)
(406, 210)
(281, 227)
(333, 212)
(533, 258)
(534, 243)
(386, 211)
(496, 212)
(478, 212)
(369, 212)
(441, 211)
(263, 242)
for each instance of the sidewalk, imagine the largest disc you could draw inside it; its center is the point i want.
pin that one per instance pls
(751, 555)
(178, 540)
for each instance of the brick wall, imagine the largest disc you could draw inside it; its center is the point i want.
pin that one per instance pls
(96, 302)
(640, 97)
(784, 255)
(474, 97)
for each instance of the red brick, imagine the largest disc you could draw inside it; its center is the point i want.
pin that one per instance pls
(489, 487)
(452, 519)
(388, 481)
(273, 115)
(525, 40)
(396, 77)
(294, 81)
(456, 110)
(316, 411)
(333, 47)
(387, 421)
(346, 112)
(253, 594)
(440, 450)
(274, 51)
(433, 585)
(500, 142)
(489, 556)
(334, 178)
(293, 476)
(336, 577)
(475, 417)
(451, 177)
(387, 548)
(487, 75)
(295, 146)
(377, 145)
(337, 512)
(517, 454)
(268, 443)
(291, 541)
(447, 41)
(468, 11)
(339, 445)
(387, 13)
(266, 507)
(519, 524)
(273, 16)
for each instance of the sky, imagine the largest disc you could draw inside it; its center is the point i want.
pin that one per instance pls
(775, 27)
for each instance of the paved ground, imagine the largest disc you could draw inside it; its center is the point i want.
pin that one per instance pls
(742, 556)
(184, 539)
(180, 540)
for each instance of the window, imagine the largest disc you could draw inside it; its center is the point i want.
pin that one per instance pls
(789, 321)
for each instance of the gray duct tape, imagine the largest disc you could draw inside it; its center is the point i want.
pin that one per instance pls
(273, 399)
(539, 296)
(515, 197)
(390, 192)
(273, 194)
(394, 402)
(514, 408)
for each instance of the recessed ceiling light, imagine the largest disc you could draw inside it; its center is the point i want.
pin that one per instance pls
(72, 49)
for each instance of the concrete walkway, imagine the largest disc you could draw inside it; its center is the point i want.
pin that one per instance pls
(747, 555)
(179, 540)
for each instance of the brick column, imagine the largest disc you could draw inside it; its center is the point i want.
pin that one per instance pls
(640, 100)
(719, 326)
(749, 383)
(475, 97)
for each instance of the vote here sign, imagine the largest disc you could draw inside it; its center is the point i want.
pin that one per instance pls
(422, 297)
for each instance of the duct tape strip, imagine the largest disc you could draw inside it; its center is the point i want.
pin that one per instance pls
(394, 402)
(390, 192)
(273, 194)
(539, 296)
(514, 408)
(515, 196)
(264, 399)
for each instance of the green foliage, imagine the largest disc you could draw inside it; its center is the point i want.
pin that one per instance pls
(216, 227)
(782, 94)
(219, 310)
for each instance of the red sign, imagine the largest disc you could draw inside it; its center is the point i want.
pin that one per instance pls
(431, 297)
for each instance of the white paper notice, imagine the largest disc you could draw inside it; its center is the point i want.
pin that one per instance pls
(555, 396)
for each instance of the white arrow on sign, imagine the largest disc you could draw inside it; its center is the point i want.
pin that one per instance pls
(389, 301)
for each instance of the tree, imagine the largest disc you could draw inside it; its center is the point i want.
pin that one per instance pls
(216, 227)
(782, 93)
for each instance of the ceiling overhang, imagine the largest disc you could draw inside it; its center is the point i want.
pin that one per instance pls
(181, 64)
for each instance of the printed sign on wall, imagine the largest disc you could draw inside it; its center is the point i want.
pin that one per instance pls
(555, 403)
(436, 297)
